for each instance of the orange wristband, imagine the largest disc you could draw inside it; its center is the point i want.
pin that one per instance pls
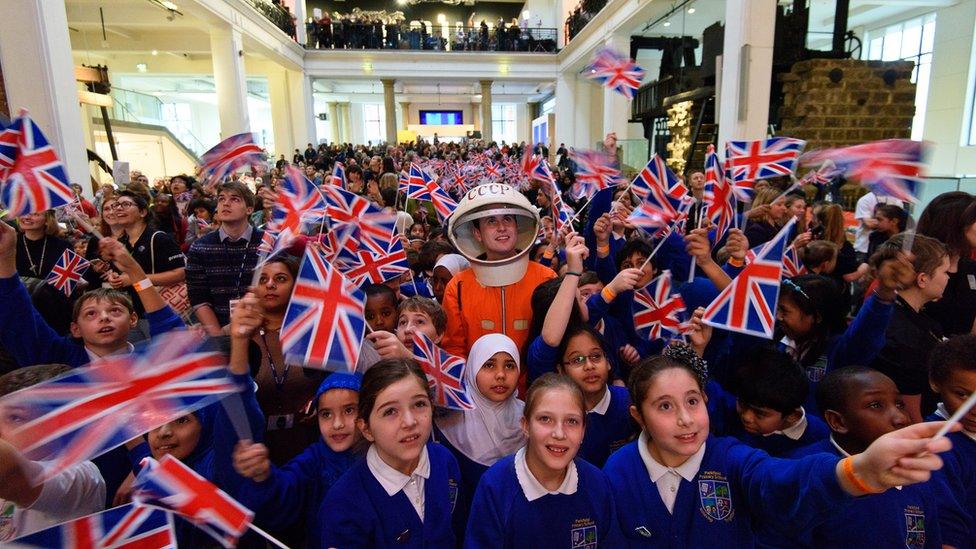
(608, 294)
(847, 464)
(736, 262)
(603, 249)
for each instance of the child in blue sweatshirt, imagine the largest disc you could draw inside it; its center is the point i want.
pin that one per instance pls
(952, 374)
(678, 487)
(283, 497)
(766, 409)
(860, 405)
(405, 493)
(544, 496)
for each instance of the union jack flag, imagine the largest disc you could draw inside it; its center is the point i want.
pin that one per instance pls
(125, 527)
(361, 266)
(792, 266)
(594, 172)
(67, 272)
(561, 213)
(299, 200)
(269, 242)
(492, 170)
(444, 205)
(748, 304)
(445, 372)
(747, 161)
(338, 175)
(417, 184)
(324, 322)
(403, 183)
(229, 155)
(34, 179)
(615, 71)
(657, 312)
(823, 176)
(93, 409)
(718, 196)
(661, 206)
(171, 485)
(376, 226)
(655, 174)
(891, 167)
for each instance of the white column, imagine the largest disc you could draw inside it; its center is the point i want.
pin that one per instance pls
(301, 15)
(38, 73)
(281, 113)
(565, 109)
(389, 108)
(486, 111)
(347, 129)
(616, 107)
(302, 109)
(747, 68)
(334, 121)
(227, 49)
(404, 114)
(582, 136)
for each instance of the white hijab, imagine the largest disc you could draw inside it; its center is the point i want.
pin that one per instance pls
(454, 263)
(492, 430)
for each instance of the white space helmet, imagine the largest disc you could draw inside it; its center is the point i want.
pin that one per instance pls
(488, 200)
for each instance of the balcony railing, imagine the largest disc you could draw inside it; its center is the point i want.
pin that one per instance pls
(278, 15)
(579, 17)
(350, 35)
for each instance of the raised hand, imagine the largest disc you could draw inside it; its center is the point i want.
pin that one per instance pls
(252, 461)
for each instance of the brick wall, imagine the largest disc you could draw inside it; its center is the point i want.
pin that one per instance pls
(831, 102)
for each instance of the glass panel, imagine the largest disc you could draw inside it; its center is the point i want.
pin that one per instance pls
(928, 36)
(911, 39)
(892, 45)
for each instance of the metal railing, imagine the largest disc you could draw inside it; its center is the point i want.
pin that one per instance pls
(143, 108)
(357, 35)
(579, 17)
(277, 15)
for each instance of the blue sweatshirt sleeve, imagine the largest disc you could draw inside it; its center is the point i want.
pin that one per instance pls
(798, 494)
(25, 334)
(288, 493)
(864, 337)
(163, 320)
(541, 358)
(225, 435)
(597, 308)
(599, 205)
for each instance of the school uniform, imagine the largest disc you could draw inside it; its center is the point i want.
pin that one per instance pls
(373, 505)
(898, 517)
(608, 426)
(512, 509)
(725, 421)
(957, 509)
(712, 499)
(292, 494)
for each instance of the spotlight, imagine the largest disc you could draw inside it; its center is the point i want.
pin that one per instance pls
(155, 52)
(667, 23)
(142, 67)
(691, 10)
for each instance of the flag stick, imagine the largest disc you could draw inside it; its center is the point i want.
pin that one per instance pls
(580, 210)
(234, 408)
(267, 536)
(963, 410)
(698, 220)
(84, 224)
(664, 237)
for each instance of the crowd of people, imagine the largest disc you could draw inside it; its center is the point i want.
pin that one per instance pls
(585, 431)
(581, 15)
(366, 30)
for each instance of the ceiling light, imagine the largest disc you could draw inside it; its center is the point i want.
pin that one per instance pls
(155, 52)
(667, 23)
(441, 18)
(401, 2)
(691, 10)
(142, 67)
(525, 14)
(169, 5)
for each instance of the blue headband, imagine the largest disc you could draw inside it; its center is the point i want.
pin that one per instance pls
(339, 380)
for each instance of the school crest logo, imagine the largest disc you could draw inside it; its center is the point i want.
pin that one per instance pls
(715, 496)
(914, 527)
(452, 492)
(817, 371)
(583, 535)
(7, 527)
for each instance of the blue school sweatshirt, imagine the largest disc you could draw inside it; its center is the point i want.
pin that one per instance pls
(357, 512)
(501, 515)
(29, 339)
(734, 485)
(607, 433)
(470, 470)
(724, 421)
(957, 510)
(295, 491)
(894, 518)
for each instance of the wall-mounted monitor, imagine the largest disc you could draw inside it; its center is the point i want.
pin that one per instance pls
(441, 118)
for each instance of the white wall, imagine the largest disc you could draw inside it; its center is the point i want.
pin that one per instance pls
(947, 115)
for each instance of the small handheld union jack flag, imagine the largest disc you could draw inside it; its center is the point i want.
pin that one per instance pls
(230, 154)
(362, 266)
(299, 201)
(128, 526)
(747, 161)
(324, 323)
(661, 206)
(32, 177)
(718, 196)
(615, 71)
(338, 175)
(67, 272)
(594, 172)
(656, 174)
(748, 304)
(657, 312)
(90, 410)
(417, 184)
(891, 167)
(445, 372)
(376, 226)
(821, 177)
(444, 205)
(792, 265)
(171, 485)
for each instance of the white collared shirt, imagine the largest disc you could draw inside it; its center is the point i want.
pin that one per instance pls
(394, 481)
(668, 479)
(246, 235)
(795, 431)
(533, 489)
(92, 357)
(944, 414)
(604, 404)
